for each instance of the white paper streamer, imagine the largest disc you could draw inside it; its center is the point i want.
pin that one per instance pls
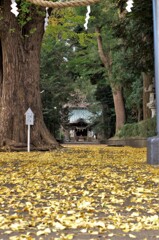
(129, 5)
(87, 17)
(14, 8)
(46, 20)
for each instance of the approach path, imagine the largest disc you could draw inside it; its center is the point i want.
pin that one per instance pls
(79, 192)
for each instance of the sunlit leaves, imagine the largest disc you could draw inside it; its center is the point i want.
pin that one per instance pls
(66, 24)
(78, 191)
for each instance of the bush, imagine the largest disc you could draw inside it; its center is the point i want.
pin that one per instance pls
(145, 129)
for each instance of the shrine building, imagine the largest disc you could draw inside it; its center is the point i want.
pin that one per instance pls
(80, 126)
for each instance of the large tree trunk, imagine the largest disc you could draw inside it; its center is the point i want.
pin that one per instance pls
(19, 79)
(119, 107)
(116, 89)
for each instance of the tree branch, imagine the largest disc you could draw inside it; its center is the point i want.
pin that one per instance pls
(105, 58)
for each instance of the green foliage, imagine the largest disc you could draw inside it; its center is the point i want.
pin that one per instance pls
(66, 24)
(106, 122)
(136, 29)
(136, 32)
(145, 129)
(133, 92)
(27, 12)
(24, 12)
(56, 83)
(128, 40)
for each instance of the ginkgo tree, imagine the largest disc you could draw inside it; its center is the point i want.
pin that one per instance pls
(21, 34)
(20, 43)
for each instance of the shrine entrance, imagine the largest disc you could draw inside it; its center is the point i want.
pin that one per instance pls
(80, 126)
(80, 130)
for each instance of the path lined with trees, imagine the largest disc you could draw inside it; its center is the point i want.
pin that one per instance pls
(115, 54)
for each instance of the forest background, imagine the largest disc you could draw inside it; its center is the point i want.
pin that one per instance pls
(109, 65)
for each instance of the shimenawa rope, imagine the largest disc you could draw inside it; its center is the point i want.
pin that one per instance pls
(50, 4)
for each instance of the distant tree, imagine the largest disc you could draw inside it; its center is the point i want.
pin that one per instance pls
(56, 80)
(105, 15)
(63, 71)
(136, 29)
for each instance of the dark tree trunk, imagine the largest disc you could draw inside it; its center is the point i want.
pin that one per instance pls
(19, 79)
(107, 128)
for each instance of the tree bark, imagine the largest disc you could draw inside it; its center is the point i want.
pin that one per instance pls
(19, 79)
(105, 57)
(116, 89)
(119, 107)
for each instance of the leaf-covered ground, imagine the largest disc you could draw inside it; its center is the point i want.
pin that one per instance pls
(86, 192)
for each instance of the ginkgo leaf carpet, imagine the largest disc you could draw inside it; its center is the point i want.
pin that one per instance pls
(79, 192)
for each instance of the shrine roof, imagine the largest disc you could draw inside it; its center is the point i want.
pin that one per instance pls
(80, 114)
